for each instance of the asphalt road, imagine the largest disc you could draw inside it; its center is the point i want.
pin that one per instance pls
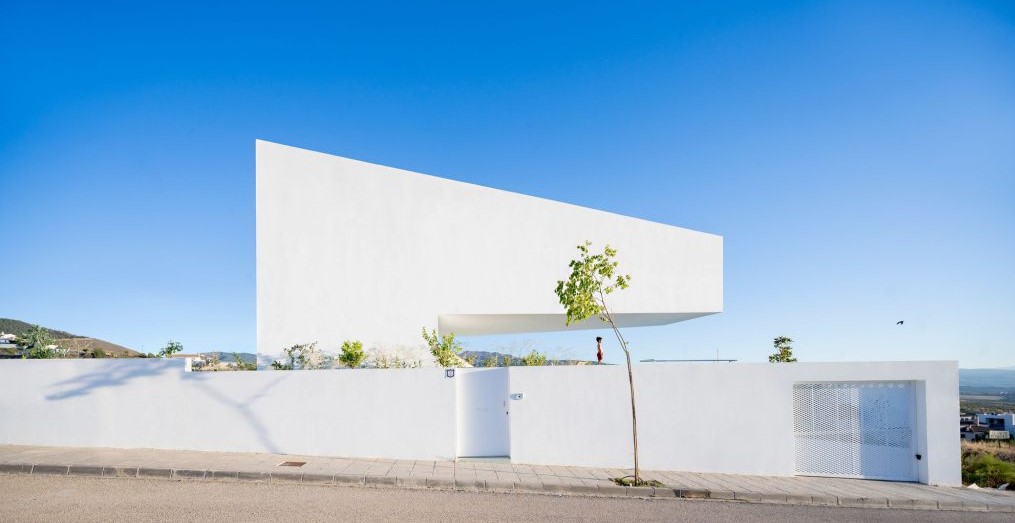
(77, 499)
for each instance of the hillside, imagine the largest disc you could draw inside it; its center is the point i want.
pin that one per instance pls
(482, 356)
(19, 327)
(77, 345)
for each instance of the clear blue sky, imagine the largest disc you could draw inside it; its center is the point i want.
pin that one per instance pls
(858, 157)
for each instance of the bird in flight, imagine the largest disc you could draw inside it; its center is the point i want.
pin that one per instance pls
(900, 322)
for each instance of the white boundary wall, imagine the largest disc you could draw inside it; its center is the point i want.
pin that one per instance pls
(146, 403)
(728, 418)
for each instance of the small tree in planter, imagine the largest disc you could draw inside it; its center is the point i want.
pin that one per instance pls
(534, 359)
(445, 349)
(583, 295)
(783, 350)
(352, 354)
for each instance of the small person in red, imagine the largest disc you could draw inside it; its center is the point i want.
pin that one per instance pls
(599, 349)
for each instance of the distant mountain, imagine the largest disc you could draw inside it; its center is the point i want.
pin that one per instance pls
(481, 357)
(19, 327)
(987, 378)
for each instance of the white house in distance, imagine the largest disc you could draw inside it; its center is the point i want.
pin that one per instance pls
(348, 250)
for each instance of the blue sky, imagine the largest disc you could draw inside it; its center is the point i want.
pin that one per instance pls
(857, 157)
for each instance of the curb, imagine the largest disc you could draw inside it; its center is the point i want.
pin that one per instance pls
(446, 483)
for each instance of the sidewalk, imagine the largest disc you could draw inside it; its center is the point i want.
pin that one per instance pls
(489, 475)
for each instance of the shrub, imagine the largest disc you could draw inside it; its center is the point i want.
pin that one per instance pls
(303, 356)
(986, 470)
(352, 354)
(534, 359)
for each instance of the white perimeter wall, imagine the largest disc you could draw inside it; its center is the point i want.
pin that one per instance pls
(728, 418)
(148, 403)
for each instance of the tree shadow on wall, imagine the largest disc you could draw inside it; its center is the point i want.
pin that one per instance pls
(111, 374)
(243, 406)
(117, 374)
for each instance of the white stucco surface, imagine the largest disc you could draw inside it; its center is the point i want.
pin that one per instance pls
(724, 418)
(148, 403)
(728, 418)
(352, 250)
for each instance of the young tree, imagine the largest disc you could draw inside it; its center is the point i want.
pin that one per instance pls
(583, 295)
(490, 361)
(352, 354)
(507, 360)
(783, 351)
(534, 359)
(445, 349)
(35, 344)
(171, 348)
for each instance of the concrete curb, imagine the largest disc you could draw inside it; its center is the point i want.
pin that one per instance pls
(567, 489)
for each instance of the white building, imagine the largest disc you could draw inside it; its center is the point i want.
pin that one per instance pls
(348, 250)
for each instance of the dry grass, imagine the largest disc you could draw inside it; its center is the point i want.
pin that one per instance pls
(1006, 451)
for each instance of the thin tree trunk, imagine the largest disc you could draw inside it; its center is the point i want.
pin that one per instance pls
(630, 381)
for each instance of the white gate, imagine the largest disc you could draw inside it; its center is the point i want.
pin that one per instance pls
(483, 413)
(855, 430)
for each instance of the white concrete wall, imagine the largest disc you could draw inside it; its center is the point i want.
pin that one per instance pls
(729, 418)
(148, 403)
(352, 250)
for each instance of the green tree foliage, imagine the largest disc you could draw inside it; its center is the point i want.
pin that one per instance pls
(583, 296)
(444, 348)
(783, 351)
(490, 361)
(35, 344)
(98, 353)
(172, 347)
(352, 354)
(507, 361)
(534, 359)
(242, 365)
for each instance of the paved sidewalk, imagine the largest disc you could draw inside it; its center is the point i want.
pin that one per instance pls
(489, 475)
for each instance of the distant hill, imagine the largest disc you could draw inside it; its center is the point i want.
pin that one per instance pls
(481, 357)
(227, 357)
(987, 378)
(19, 327)
(76, 344)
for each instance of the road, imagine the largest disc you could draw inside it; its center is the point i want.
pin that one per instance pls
(81, 499)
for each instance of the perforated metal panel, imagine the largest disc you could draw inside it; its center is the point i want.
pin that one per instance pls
(855, 429)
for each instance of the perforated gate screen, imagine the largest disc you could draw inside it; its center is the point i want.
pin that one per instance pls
(854, 429)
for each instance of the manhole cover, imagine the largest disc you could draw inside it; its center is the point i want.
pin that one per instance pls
(292, 463)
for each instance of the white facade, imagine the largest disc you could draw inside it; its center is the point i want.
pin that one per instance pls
(348, 250)
(724, 418)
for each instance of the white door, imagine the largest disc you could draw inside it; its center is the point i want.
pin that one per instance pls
(483, 412)
(855, 430)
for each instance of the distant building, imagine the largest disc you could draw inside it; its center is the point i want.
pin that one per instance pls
(1004, 421)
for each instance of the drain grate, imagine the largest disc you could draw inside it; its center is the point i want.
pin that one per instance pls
(292, 463)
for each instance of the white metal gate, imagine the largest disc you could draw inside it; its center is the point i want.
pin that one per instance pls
(858, 429)
(483, 413)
